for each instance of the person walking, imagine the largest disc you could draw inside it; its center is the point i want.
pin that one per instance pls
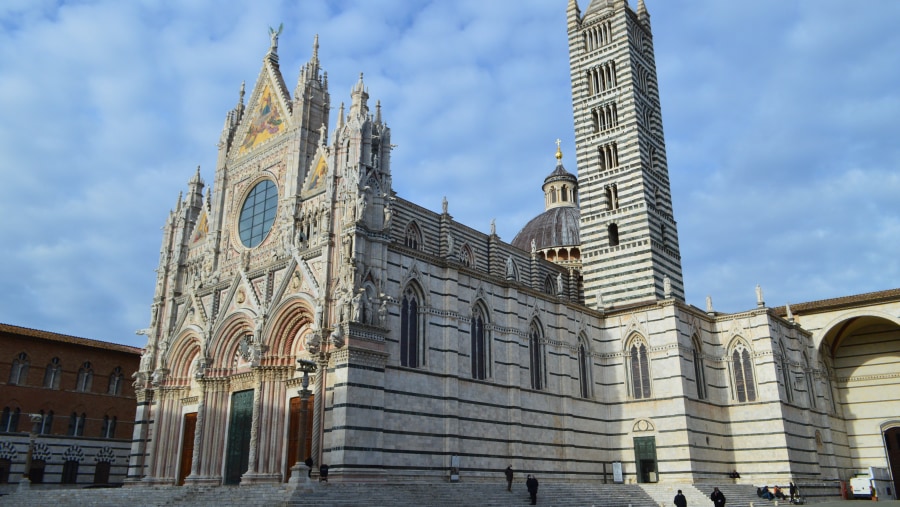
(532, 485)
(509, 477)
(717, 497)
(680, 500)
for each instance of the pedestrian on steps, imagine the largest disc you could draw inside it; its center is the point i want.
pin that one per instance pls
(717, 497)
(532, 485)
(509, 478)
(680, 500)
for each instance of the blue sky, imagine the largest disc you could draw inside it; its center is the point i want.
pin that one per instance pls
(781, 120)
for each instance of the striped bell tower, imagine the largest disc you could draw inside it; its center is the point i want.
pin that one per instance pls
(628, 232)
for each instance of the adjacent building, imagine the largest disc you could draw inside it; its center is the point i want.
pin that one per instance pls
(75, 397)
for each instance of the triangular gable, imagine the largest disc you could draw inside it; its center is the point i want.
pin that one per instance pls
(317, 176)
(201, 229)
(269, 110)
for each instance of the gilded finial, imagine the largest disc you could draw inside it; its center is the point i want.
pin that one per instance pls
(558, 150)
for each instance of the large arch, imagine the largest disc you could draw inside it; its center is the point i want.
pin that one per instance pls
(863, 347)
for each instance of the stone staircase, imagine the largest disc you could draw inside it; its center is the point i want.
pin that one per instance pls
(439, 494)
(664, 494)
(472, 494)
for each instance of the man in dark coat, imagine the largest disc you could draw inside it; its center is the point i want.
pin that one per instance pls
(717, 497)
(532, 485)
(309, 463)
(509, 477)
(680, 500)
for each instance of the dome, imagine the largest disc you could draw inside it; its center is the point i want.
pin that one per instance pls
(555, 227)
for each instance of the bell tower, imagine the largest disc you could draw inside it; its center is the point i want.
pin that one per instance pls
(629, 238)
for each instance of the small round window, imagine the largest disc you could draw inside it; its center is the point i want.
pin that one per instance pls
(258, 213)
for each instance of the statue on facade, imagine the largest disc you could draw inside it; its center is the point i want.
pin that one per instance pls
(667, 287)
(533, 246)
(510, 269)
(444, 205)
(709, 305)
(759, 296)
(559, 284)
(493, 227)
(388, 212)
(358, 308)
(383, 312)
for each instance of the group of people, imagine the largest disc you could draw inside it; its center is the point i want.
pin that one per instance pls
(777, 493)
(531, 483)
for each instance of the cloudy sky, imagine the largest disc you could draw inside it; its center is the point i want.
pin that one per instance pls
(781, 118)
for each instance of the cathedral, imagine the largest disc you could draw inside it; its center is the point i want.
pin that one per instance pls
(303, 309)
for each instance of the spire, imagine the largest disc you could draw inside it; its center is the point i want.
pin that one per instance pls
(378, 111)
(359, 96)
(340, 118)
(643, 15)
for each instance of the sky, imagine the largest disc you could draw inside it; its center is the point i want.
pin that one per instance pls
(781, 119)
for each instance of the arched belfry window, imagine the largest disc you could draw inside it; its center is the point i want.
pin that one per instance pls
(638, 365)
(413, 237)
(536, 356)
(699, 370)
(742, 372)
(412, 336)
(584, 368)
(613, 231)
(481, 344)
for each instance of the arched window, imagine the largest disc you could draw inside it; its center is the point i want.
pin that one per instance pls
(85, 377)
(536, 356)
(466, 257)
(742, 369)
(52, 374)
(411, 330)
(413, 237)
(9, 422)
(46, 423)
(699, 371)
(481, 344)
(639, 370)
(108, 430)
(115, 381)
(76, 424)
(613, 231)
(19, 371)
(810, 382)
(786, 374)
(584, 369)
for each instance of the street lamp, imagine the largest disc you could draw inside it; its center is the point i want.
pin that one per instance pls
(306, 366)
(36, 420)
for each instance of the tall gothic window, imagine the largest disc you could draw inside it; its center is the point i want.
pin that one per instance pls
(742, 368)
(19, 371)
(115, 381)
(52, 374)
(584, 369)
(786, 374)
(536, 357)
(466, 257)
(481, 345)
(810, 382)
(85, 377)
(411, 332)
(639, 366)
(699, 375)
(413, 238)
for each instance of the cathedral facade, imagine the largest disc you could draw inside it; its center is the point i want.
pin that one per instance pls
(304, 309)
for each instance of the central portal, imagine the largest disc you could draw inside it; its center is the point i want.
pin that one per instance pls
(237, 448)
(645, 458)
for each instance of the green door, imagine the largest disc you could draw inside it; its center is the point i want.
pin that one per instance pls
(237, 448)
(645, 459)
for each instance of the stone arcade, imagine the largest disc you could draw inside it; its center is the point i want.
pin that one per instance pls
(565, 351)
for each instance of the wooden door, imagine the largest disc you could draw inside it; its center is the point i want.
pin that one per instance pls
(187, 446)
(294, 433)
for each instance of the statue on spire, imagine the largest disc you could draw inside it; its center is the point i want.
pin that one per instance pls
(273, 34)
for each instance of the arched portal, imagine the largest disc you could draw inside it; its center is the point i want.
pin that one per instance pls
(864, 351)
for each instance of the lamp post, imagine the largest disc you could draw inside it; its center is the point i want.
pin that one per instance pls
(36, 420)
(306, 366)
